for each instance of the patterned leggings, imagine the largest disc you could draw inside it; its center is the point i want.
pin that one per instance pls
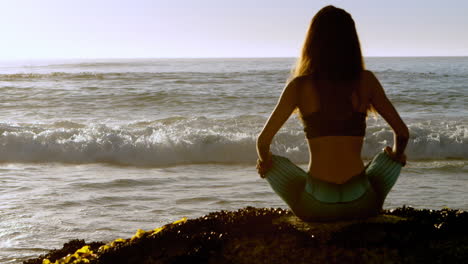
(312, 199)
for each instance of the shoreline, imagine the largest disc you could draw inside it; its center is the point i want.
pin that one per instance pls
(401, 235)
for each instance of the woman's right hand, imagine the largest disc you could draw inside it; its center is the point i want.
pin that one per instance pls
(398, 158)
(263, 166)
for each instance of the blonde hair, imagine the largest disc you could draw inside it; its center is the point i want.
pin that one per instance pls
(331, 49)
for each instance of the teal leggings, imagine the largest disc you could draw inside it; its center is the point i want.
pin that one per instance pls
(312, 199)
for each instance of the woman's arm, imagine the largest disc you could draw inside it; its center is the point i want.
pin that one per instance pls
(386, 109)
(283, 110)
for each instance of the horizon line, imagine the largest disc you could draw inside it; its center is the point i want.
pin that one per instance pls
(211, 57)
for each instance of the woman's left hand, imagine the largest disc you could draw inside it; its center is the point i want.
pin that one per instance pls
(263, 166)
(400, 159)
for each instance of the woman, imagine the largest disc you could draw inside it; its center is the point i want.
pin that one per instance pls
(332, 94)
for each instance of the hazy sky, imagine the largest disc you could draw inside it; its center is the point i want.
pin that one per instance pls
(221, 28)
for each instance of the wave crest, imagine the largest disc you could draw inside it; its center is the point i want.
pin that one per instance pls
(176, 141)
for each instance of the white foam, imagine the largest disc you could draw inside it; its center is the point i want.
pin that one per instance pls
(187, 141)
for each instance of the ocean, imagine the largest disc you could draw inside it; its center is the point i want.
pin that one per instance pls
(96, 149)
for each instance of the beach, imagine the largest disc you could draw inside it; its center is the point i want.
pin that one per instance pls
(96, 149)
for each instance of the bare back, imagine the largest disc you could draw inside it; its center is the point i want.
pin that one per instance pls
(333, 158)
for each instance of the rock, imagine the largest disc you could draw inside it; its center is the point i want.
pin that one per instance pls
(253, 235)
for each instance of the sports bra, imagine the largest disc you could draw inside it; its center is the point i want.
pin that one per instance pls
(336, 117)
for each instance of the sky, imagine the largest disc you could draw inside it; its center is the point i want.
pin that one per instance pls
(33, 29)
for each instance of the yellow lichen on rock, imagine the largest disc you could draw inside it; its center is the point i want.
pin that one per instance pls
(139, 233)
(183, 220)
(103, 248)
(157, 230)
(109, 245)
(82, 255)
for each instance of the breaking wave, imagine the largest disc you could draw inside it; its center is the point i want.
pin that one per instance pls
(176, 141)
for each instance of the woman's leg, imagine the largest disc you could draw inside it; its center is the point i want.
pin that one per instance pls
(383, 173)
(287, 180)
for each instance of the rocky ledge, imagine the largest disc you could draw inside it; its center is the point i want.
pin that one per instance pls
(259, 235)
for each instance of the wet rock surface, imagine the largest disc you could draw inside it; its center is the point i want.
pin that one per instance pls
(259, 235)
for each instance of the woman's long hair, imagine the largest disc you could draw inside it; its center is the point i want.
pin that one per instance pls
(331, 48)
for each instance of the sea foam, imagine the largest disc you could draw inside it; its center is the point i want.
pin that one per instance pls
(175, 141)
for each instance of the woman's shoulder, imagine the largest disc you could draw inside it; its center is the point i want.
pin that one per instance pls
(301, 78)
(301, 81)
(371, 82)
(368, 75)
